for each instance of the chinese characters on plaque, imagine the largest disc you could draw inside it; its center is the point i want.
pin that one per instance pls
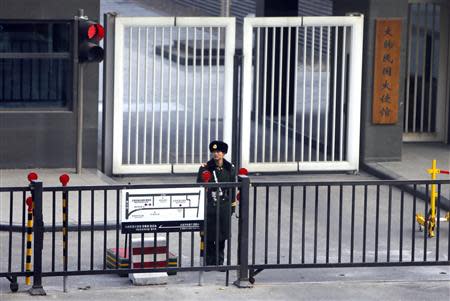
(386, 82)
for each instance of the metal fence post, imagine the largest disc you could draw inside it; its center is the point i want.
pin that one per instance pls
(242, 279)
(38, 243)
(235, 151)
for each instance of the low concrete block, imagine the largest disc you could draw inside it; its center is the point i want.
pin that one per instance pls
(148, 278)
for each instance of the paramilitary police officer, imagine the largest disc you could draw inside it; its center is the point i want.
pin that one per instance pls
(221, 171)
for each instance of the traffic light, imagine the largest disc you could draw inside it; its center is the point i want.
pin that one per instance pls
(89, 35)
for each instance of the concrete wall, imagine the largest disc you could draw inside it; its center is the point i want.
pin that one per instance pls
(48, 138)
(378, 142)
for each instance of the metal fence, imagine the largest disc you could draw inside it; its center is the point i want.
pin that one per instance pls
(85, 238)
(343, 224)
(280, 225)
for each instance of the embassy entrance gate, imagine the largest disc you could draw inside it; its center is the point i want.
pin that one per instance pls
(173, 84)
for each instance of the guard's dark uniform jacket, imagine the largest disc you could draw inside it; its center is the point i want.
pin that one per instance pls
(226, 173)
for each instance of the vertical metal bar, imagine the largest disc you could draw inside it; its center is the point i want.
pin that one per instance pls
(255, 202)
(425, 31)
(333, 134)
(117, 228)
(291, 222)
(216, 241)
(425, 232)
(167, 239)
(169, 101)
(153, 96)
(316, 213)
(230, 194)
(402, 201)
(161, 101)
(180, 248)
(438, 221)
(38, 239)
(352, 231)
(24, 212)
(11, 210)
(178, 96)
(279, 225)
(416, 65)
(288, 73)
(210, 82)
(79, 231)
(294, 113)
(129, 95)
(430, 95)
(303, 223)
(105, 233)
(258, 39)
(340, 224)
(186, 62)
(272, 93)
(389, 224)
(377, 221)
(194, 99)
(302, 144)
(327, 255)
(217, 82)
(201, 95)
(448, 242)
(53, 228)
(280, 89)
(145, 98)
(264, 96)
(408, 70)
(192, 249)
(364, 225)
(413, 226)
(243, 229)
(266, 224)
(92, 229)
(155, 245)
(311, 103)
(142, 250)
(343, 82)
(320, 97)
(136, 143)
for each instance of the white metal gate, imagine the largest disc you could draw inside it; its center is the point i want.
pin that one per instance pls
(427, 71)
(173, 88)
(321, 129)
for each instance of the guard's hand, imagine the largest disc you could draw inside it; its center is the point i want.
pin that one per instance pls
(233, 207)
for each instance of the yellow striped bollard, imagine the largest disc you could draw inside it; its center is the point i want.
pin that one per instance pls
(32, 176)
(29, 202)
(64, 179)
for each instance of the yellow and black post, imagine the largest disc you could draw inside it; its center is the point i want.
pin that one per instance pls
(29, 202)
(64, 179)
(32, 176)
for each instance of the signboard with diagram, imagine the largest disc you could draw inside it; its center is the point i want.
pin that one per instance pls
(162, 210)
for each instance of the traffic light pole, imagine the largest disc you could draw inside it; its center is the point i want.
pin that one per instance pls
(80, 118)
(80, 96)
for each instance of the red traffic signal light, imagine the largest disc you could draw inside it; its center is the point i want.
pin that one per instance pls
(90, 34)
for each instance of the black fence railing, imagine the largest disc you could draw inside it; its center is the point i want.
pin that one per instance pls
(341, 224)
(85, 236)
(279, 225)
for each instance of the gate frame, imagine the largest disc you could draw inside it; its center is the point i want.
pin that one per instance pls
(120, 22)
(356, 23)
